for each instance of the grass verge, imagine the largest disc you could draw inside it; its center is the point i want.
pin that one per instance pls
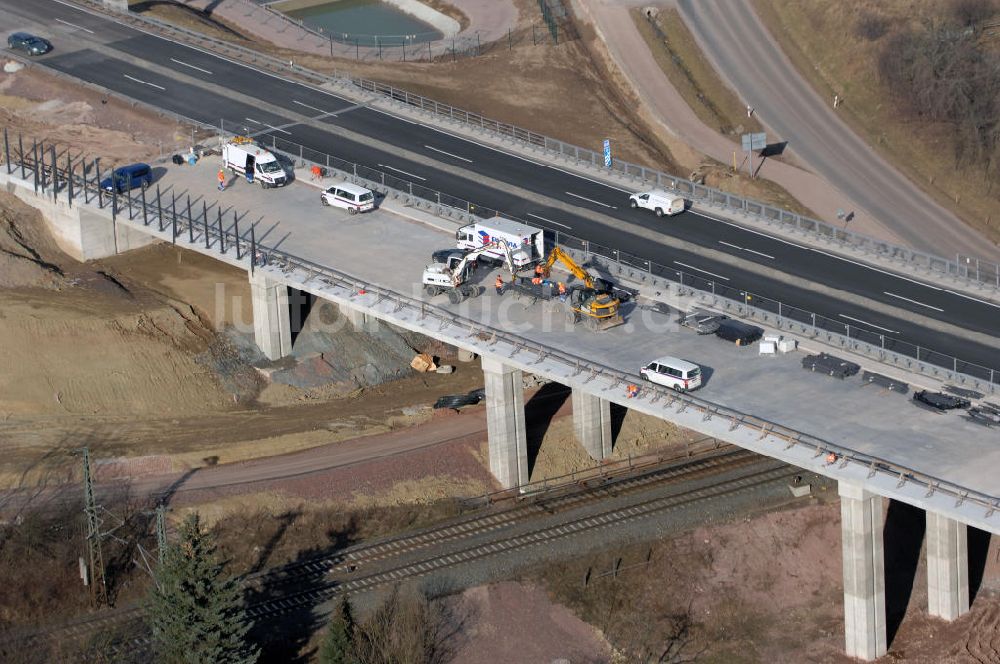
(846, 66)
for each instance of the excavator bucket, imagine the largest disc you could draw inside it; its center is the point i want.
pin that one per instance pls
(606, 323)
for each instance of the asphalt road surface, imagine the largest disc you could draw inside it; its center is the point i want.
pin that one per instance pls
(210, 89)
(742, 49)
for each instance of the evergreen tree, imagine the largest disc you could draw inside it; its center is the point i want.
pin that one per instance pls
(338, 644)
(195, 613)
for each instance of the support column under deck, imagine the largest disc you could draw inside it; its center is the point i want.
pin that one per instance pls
(864, 572)
(361, 321)
(592, 423)
(947, 567)
(505, 423)
(272, 328)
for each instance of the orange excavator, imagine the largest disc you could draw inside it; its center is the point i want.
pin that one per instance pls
(593, 302)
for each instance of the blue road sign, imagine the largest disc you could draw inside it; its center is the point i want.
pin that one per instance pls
(607, 153)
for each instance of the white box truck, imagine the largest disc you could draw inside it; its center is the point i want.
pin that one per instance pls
(657, 201)
(243, 156)
(526, 243)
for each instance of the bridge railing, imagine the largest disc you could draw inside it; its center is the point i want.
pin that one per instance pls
(59, 175)
(736, 299)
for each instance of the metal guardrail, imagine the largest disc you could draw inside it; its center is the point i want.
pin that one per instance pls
(644, 272)
(183, 223)
(983, 272)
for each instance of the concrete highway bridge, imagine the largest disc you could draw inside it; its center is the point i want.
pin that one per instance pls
(874, 443)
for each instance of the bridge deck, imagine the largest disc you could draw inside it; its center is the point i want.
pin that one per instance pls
(391, 251)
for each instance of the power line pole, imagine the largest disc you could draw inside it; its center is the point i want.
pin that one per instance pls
(98, 578)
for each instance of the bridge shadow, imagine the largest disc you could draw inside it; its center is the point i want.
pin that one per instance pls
(903, 538)
(300, 304)
(539, 412)
(978, 550)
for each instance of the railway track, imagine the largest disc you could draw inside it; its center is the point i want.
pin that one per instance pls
(391, 560)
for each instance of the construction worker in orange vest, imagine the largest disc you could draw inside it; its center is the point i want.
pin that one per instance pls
(222, 179)
(499, 285)
(632, 391)
(562, 291)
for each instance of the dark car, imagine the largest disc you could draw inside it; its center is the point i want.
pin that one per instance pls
(740, 333)
(128, 177)
(30, 44)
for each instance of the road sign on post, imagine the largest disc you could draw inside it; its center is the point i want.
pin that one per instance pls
(751, 142)
(607, 153)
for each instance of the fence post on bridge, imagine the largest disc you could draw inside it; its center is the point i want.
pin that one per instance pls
(69, 178)
(173, 218)
(253, 249)
(97, 183)
(204, 222)
(236, 230)
(55, 173)
(6, 151)
(20, 154)
(34, 163)
(222, 239)
(190, 221)
(145, 212)
(159, 210)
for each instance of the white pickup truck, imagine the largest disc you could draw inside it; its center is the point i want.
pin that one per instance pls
(659, 202)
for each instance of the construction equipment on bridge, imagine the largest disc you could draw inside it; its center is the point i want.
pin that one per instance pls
(594, 302)
(453, 277)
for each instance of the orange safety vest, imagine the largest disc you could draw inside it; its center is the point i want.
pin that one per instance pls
(537, 281)
(499, 282)
(222, 175)
(562, 288)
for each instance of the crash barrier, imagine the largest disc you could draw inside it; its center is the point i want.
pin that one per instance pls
(979, 272)
(178, 222)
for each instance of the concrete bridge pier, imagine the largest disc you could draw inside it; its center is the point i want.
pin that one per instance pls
(361, 321)
(592, 423)
(864, 572)
(272, 328)
(947, 567)
(505, 423)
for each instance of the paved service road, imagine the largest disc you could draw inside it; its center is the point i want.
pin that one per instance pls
(742, 50)
(212, 89)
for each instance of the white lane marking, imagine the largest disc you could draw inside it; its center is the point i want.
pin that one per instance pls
(264, 124)
(152, 85)
(858, 320)
(398, 170)
(186, 64)
(818, 251)
(974, 299)
(74, 25)
(312, 108)
(447, 153)
(698, 269)
(590, 200)
(550, 221)
(759, 253)
(912, 301)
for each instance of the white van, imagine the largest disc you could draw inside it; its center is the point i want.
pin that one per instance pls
(658, 202)
(350, 197)
(241, 155)
(672, 372)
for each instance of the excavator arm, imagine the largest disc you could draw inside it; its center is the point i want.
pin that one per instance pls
(557, 254)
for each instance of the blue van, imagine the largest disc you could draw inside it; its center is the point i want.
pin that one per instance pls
(129, 177)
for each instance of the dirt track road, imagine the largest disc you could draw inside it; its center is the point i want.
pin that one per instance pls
(742, 50)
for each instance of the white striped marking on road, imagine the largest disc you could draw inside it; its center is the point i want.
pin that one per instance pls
(912, 301)
(556, 223)
(74, 25)
(734, 246)
(137, 80)
(974, 299)
(399, 170)
(858, 320)
(692, 267)
(181, 62)
(264, 124)
(590, 200)
(447, 153)
(312, 108)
